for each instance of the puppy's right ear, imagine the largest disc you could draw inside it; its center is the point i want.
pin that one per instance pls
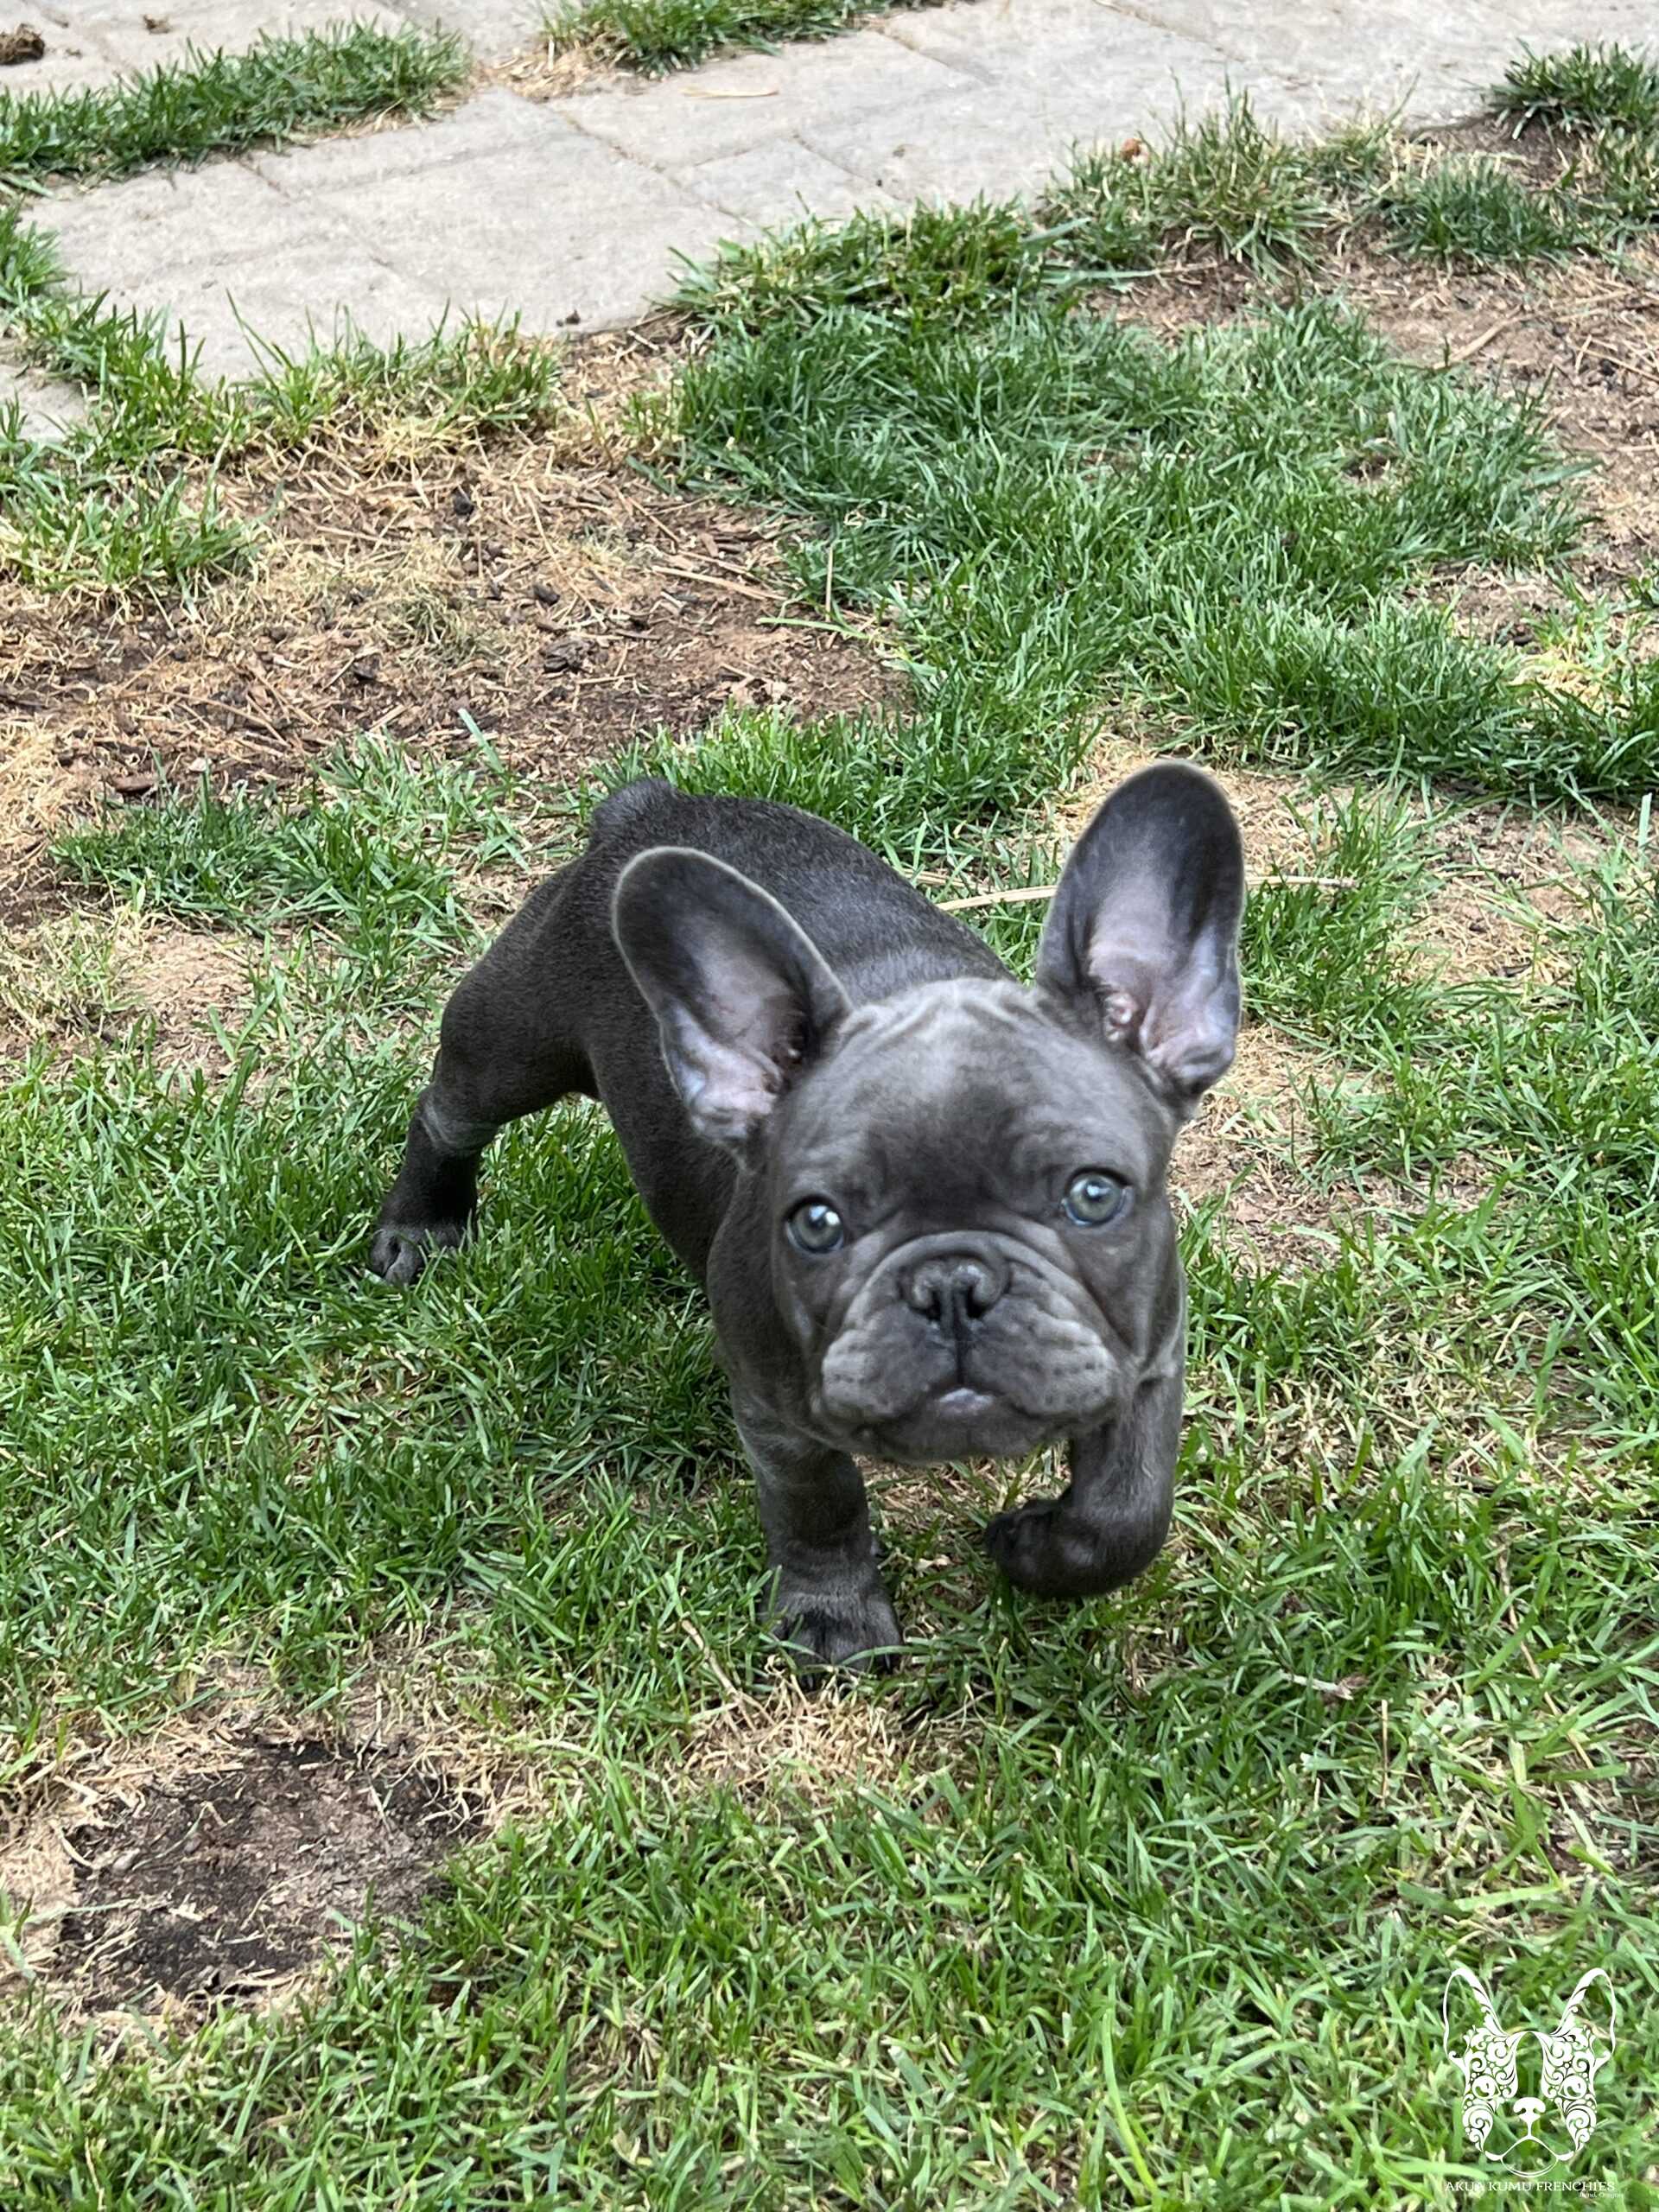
(741, 995)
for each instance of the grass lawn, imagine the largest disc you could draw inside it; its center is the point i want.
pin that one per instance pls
(400, 1802)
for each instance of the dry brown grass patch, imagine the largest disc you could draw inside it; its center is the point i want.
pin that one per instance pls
(542, 70)
(1245, 1144)
(814, 1745)
(564, 607)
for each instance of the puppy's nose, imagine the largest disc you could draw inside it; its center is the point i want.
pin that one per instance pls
(955, 1289)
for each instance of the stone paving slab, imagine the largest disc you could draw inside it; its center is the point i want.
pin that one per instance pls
(780, 182)
(1434, 62)
(753, 98)
(578, 208)
(45, 406)
(91, 42)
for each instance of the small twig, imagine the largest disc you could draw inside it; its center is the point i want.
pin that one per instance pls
(1478, 345)
(1047, 890)
(998, 898)
(720, 583)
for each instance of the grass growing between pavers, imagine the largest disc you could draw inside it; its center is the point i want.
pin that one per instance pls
(1225, 184)
(1150, 1902)
(219, 102)
(129, 498)
(656, 36)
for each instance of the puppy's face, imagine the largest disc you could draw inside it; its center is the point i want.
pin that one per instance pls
(971, 1241)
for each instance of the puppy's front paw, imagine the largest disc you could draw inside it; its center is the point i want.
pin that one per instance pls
(1051, 1548)
(401, 1249)
(1041, 1547)
(826, 1626)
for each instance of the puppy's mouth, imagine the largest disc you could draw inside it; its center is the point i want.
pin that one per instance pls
(958, 1421)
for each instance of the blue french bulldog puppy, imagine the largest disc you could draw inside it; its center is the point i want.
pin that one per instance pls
(927, 1203)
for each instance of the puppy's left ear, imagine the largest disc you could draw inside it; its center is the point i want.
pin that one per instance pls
(1143, 929)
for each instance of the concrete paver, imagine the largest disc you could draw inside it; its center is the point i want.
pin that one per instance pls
(494, 28)
(753, 98)
(496, 232)
(1432, 62)
(90, 41)
(578, 207)
(779, 183)
(45, 406)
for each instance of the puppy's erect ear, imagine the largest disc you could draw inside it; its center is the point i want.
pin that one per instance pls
(741, 995)
(1144, 926)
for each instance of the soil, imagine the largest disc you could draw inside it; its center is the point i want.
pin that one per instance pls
(197, 1887)
(24, 43)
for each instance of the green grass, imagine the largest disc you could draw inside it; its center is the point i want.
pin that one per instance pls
(1236, 1888)
(1224, 186)
(1475, 209)
(1148, 1901)
(1218, 531)
(128, 500)
(218, 102)
(655, 36)
(1586, 88)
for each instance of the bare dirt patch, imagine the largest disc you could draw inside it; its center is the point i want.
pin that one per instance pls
(228, 1883)
(77, 980)
(220, 1862)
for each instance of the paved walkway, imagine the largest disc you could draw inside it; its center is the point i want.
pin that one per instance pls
(574, 211)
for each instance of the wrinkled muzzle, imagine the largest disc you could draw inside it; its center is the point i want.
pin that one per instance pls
(965, 1343)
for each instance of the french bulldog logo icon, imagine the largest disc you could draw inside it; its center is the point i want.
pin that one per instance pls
(1529, 2132)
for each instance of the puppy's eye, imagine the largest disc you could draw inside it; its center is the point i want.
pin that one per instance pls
(816, 1227)
(1093, 1198)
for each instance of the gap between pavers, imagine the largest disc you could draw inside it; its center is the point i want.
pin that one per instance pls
(578, 210)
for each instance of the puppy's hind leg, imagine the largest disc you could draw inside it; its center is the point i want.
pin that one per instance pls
(506, 1049)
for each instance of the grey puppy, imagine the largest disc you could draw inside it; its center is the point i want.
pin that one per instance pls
(928, 1205)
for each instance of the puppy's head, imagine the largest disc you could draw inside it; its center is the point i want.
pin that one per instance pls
(970, 1239)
